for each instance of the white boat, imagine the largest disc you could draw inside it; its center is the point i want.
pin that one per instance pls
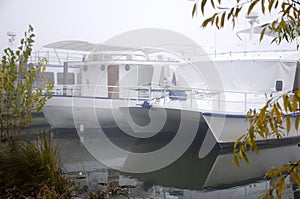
(145, 91)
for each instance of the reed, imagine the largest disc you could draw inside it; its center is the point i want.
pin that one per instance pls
(33, 169)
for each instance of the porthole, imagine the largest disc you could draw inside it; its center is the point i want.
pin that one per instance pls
(127, 67)
(102, 67)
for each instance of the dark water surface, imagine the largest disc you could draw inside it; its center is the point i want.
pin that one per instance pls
(212, 176)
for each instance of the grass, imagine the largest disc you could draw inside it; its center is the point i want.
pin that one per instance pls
(32, 169)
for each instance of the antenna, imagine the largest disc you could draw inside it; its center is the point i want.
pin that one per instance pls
(253, 18)
(12, 37)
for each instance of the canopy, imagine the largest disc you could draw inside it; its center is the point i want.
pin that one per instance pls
(77, 45)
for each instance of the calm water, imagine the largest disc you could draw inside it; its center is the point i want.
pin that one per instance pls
(212, 176)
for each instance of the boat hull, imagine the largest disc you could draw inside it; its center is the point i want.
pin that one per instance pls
(71, 112)
(101, 113)
(227, 128)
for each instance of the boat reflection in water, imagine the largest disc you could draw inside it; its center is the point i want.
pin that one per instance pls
(193, 175)
(216, 173)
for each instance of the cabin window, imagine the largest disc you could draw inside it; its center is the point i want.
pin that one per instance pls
(42, 78)
(107, 57)
(278, 85)
(70, 78)
(145, 73)
(95, 57)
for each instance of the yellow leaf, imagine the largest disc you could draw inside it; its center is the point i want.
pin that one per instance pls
(263, 6)
(212, 3)
(206, 21)
(298, 93)
(262, 117)
(223, 19)
(277, 112)
(262, 33)
(236, 160)
(203, 5)
(217, 22)
(194, 9)
(297, 121)
(285, 102)
(252, 5)
(245, 157)
(288, 124)
(296, 177)
(280, 184)
(271, 3)
(276, 4)
(238, 141)
(295, 102)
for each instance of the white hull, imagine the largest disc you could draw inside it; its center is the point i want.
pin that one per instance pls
(129, 116)
(228, 127)
(71, 112)
(225, 128)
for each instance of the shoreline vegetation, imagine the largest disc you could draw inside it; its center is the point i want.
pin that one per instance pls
(30, 167)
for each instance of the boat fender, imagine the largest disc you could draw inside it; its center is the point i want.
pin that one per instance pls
(146, 105)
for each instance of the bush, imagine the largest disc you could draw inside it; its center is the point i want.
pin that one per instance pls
(32, 169)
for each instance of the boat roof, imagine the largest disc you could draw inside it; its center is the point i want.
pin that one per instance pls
(87, 47)
(77, 45)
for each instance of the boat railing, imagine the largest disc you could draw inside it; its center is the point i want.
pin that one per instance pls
(56, 58)
(175, 97)
(195, 98)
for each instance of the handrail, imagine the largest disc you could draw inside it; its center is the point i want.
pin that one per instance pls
(54, 57)
(194, 98)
